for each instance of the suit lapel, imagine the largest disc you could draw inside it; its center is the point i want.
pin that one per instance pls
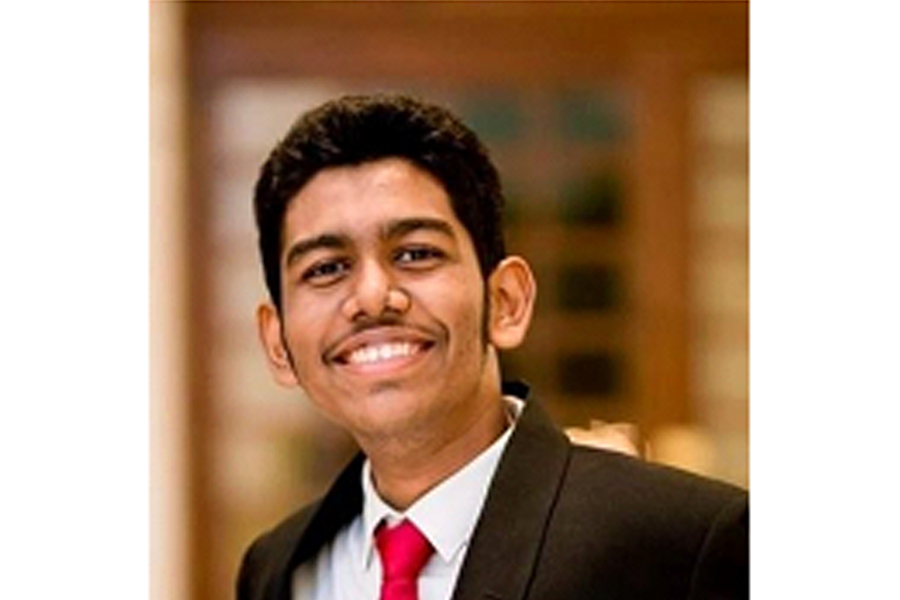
(509, 533)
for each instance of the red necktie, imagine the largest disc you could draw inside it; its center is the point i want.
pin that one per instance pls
(404, 551)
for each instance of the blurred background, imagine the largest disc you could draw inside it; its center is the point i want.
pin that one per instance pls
(621, 132)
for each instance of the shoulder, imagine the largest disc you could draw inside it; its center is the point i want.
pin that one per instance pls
(614, 481)
(701, 525)
(639, 480)
(267, 559)
(661, 532)
(267, 565)
(627, 485)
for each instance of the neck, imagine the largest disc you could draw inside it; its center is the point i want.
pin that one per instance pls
(404, 472)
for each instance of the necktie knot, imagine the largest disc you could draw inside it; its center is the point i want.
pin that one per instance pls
(403, 551)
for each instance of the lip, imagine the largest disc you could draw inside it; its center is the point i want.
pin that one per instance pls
(380, 349)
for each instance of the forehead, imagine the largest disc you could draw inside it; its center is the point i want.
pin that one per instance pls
(354, 199)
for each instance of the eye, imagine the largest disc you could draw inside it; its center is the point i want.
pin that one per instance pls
(418, 256)
(325, 272)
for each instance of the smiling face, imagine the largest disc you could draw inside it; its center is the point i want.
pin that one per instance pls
(383, 305)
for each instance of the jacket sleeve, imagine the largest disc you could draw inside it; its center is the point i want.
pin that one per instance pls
(722, 570)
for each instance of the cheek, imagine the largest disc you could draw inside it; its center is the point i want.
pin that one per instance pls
(306, 328)
(461, 309)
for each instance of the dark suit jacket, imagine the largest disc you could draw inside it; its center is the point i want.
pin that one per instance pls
(559, 522)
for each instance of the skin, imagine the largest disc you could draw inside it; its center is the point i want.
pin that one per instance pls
(383, 321)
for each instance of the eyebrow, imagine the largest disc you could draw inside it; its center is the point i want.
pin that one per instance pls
(324, 241)
(392, 230)
(401, 227)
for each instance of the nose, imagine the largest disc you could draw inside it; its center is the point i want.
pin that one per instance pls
(375, 292)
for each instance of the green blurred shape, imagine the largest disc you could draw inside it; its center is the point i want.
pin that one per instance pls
(496, 117)
(594, 199)
(590, 116)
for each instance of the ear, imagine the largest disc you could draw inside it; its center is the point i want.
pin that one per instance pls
(269, 323)
(512, 292)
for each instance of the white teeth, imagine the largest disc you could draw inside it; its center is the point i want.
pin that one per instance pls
(371, 354)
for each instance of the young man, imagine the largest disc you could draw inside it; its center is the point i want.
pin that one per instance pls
(391, 294)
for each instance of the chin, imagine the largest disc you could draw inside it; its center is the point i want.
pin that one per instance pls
(391, 408)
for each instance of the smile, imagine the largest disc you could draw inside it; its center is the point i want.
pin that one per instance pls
(373, 354)
(381, 350)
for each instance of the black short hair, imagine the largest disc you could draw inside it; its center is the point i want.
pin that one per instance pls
(352, 130)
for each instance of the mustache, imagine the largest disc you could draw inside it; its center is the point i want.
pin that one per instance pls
(365, 323)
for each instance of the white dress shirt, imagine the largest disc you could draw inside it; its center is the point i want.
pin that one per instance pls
(349, 568)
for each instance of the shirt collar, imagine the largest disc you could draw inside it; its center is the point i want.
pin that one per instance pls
(447, 530)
